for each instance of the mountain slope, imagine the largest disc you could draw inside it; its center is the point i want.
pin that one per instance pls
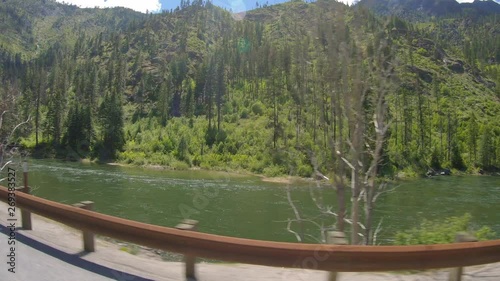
(32, 26)
(419, 10)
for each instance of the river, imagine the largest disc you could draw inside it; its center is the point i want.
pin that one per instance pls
(245, 206)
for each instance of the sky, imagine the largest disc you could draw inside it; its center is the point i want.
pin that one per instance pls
(158, 5)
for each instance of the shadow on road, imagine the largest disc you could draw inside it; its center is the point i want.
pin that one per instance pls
(74, 259)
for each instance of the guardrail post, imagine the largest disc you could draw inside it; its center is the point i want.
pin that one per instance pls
(456, 273)
(189, 260)
(336, 238)
(25, 214)
(88, 237)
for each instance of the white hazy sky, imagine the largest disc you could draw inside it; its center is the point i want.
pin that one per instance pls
(157, 5)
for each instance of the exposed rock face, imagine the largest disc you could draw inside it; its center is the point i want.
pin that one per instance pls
(457, 66)
(490, 84)
(423, 74)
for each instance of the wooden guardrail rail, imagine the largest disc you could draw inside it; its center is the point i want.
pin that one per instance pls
(339, 258)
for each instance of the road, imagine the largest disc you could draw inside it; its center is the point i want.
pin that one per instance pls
(45, 265)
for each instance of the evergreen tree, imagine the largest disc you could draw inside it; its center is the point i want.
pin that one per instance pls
(472, 139)
(456, 159)
(435, 159)
(74, 128)
(487, 149)
(111, 121)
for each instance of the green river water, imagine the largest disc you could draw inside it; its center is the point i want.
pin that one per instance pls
(245, 206)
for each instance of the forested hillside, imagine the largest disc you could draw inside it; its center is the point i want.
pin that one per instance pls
(31, 27)
(282, 91)
(424, 10)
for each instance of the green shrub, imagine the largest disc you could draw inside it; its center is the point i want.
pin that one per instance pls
(134, 157)
(304, 171)
(442, 232)
(196, 160)
(422, 52)
(256, 165)
(179, 165)
(139, 161)
(168, 145)
(160, 159)
(258, 108)
(273, 171)
(244, 113)
(29, 142)
(239, 161)
(210, 161)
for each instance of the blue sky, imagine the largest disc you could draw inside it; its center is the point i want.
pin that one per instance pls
(235, 4)
(158, 5)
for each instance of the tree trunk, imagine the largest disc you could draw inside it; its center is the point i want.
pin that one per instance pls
(355, 207)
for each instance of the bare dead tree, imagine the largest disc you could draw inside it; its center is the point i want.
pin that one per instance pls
(6, 153)
(9, 124)
(359, 80)
(364, 79)
(381, 78)
(338, 70)
(353, 93)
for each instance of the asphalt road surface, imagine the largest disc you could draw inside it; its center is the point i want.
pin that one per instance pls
(35, 261)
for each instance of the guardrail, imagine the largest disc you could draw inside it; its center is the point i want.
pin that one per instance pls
(336, 258)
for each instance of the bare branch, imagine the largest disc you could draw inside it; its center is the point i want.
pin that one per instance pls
(1, 118)
(295, 210)
(315, 200)
(347, 162)
(19, 125)
(319, 241)
(359, 223)
(1, 155)
(329, 211)
(3, 167)
(377, 231)
(382, 186)
(362, 225)
(289, 229)
(368, 173)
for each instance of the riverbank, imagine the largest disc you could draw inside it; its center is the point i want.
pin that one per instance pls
(400, 176)
(144, 263)
(210, 161)
(268, 173)
(232, 173)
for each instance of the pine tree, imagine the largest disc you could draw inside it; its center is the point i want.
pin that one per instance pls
(456, 158)
(111, 121)
(74, 128)
(472, 139)
(487, 149)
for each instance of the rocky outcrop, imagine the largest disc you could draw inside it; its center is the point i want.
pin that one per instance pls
(456, 66)
(442, 172)
(425, 75)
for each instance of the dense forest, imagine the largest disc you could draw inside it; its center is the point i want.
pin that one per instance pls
(283, 90)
